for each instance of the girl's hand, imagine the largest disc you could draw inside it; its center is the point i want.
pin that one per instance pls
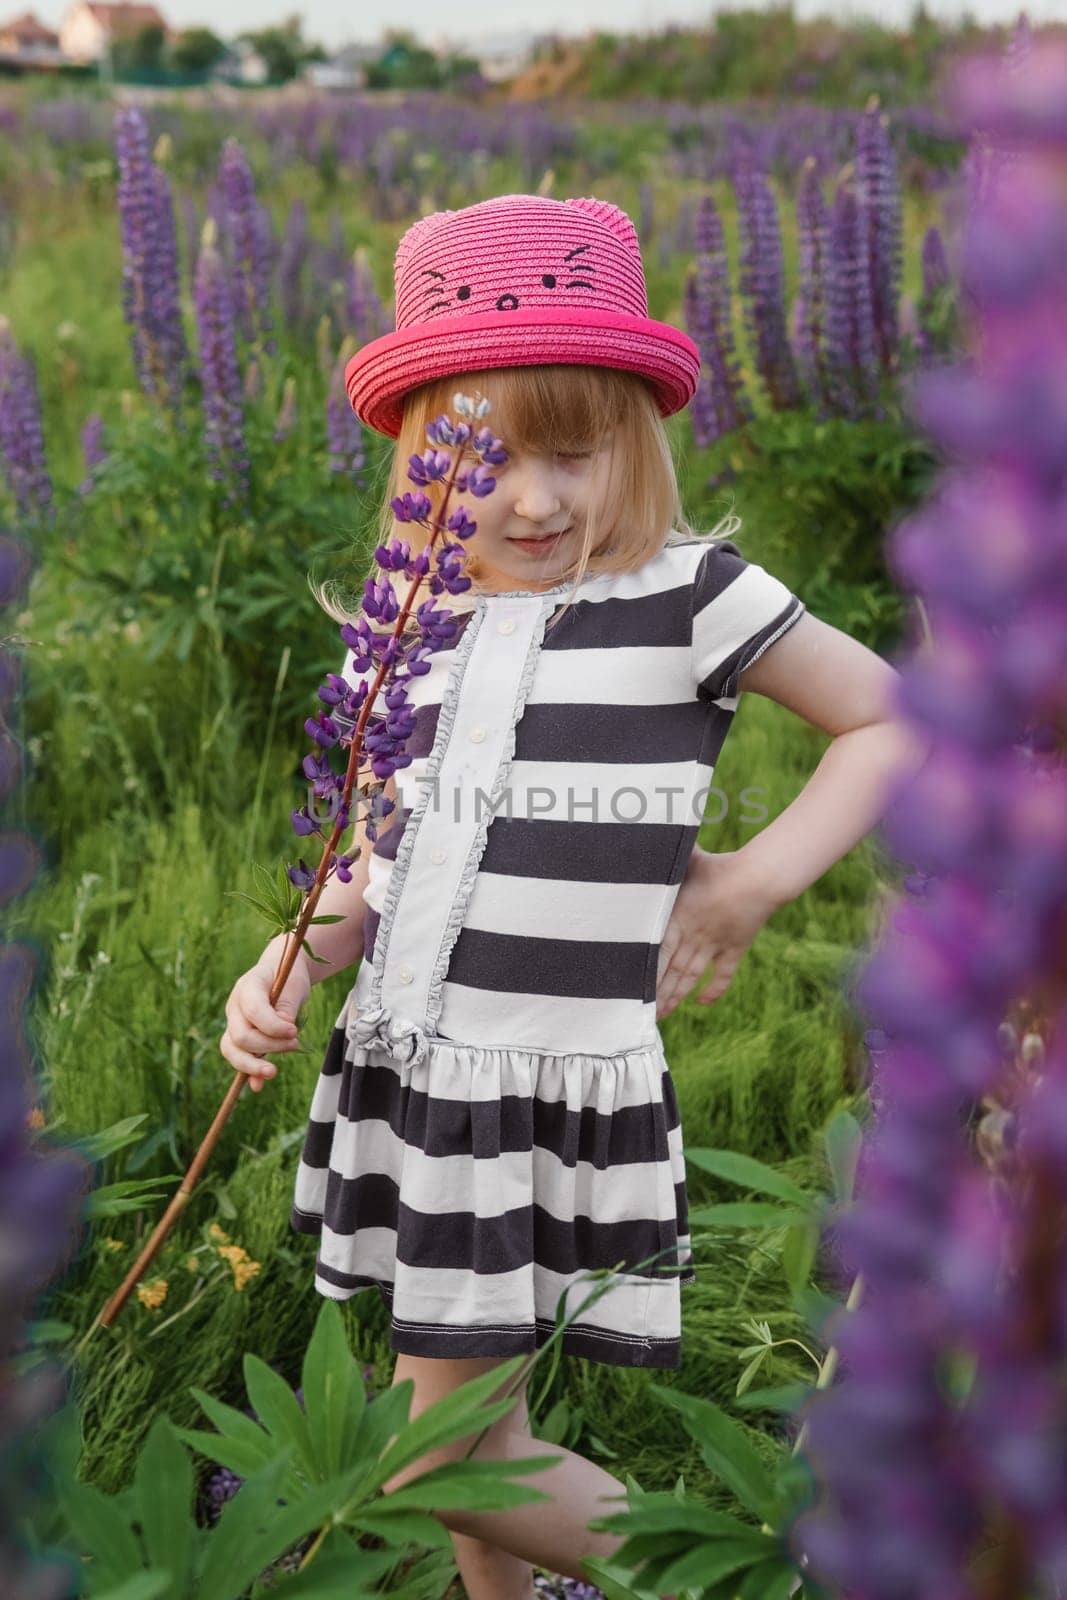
(254, 1026)
(718, 912)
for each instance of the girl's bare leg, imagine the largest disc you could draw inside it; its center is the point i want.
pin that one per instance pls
(499, 1548)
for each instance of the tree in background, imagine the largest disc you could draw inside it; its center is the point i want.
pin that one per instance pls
(197, 50)
(141, 51)
(284, 48)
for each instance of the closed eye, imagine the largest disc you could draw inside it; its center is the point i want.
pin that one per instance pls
(579, 283)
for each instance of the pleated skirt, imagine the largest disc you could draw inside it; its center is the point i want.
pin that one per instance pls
(479, 1188)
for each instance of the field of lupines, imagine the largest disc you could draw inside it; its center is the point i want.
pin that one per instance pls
(181, 291)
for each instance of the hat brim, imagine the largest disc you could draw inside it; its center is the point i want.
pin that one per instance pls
(378, 376)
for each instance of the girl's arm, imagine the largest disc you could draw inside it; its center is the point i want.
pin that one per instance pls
(845, 690)
(340, 944)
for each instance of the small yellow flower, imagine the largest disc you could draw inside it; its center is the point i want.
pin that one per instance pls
(35, 1118)
(115, 1244)
(152, 1295)
(241, 1263)
(192, 1264)
(217, 1233)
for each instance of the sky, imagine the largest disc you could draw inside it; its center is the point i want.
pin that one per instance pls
(327, 23)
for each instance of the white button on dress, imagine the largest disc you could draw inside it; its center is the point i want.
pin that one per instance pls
(507, 626)
(437, 856)
(405, 975)
(476, 735)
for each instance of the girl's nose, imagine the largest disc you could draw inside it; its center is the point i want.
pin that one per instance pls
(535, 495)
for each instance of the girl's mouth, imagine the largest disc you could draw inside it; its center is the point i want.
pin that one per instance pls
(542, 546)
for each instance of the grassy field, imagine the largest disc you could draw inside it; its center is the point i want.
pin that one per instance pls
(155, 782)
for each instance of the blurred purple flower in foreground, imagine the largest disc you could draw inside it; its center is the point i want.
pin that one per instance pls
(41, 1187)
(942, 1449)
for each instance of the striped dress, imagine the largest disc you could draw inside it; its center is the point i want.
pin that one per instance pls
(495, 1117)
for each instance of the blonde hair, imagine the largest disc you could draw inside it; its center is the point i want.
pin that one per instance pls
(551, 407)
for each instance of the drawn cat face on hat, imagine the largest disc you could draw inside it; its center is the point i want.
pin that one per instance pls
(519, 280)
(498, 257)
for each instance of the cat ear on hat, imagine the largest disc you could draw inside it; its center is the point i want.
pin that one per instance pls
(410, 239)
(612, 217)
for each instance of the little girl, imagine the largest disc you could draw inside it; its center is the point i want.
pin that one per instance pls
(495, 1114)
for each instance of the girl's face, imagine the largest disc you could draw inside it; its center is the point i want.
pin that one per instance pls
(537, 495)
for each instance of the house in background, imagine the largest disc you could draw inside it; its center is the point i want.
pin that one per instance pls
(241, 63)
(24, 41)
(347, 69)
(503, 56)
(88, 30)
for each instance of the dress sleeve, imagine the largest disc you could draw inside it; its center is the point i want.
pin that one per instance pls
(739, 609)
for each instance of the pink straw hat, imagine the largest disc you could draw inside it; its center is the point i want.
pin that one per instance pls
(514, 281)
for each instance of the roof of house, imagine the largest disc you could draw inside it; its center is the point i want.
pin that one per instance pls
(125, 17)
(27, 26)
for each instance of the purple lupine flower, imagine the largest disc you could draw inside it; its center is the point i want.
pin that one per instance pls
(247, 225)
(934, 262)
(881, 215)
(386, 734)
(850, 352)
(191, 226)
(283, 423)
(762, 283)
(150, 293)
(363, 306)
(94, 450)
(291, 261)
(345, 443)
(721, 404)
(813, 239)
(219, 374)
(926, 335)
(945, 1441)
(22, 452)
(163, 291)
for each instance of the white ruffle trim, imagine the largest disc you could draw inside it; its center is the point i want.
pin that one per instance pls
(404, 1039)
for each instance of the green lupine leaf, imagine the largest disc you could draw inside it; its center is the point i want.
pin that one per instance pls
(239, 1455)
(407, 1527)
(142, 1586)
(725, 1449)
(102, 1530)
(108, 1140)
(477, 1485)
(163, 1488)
(661, 1511)
(614, 1582)
(749, 1173)
(343, 1570)
(798, 1254)
(748, 1214)
(708, 1563)
(783, 1397)
(279, 1411)
(843, 1139)
(463, 1411)
(773, 1580)
(255, 1529)
(333, 1390)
